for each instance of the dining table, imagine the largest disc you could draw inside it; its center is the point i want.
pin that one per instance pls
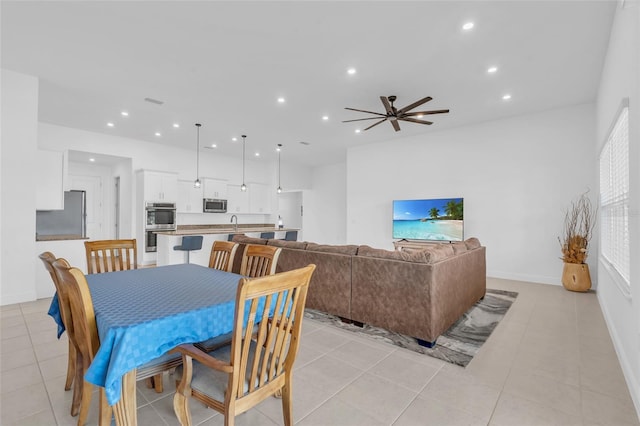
(142, 314)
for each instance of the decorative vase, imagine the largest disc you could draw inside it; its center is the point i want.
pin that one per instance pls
(575, 277)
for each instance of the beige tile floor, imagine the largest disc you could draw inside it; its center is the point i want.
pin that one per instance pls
(549, 362)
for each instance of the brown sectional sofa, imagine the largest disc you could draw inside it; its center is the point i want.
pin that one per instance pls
(418, 293)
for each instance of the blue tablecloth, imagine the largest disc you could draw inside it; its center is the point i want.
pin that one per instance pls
(143, 313)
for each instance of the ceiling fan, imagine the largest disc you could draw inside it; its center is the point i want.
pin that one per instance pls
(394, 115)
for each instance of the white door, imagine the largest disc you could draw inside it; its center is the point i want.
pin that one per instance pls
(290, 210)
(92, 185)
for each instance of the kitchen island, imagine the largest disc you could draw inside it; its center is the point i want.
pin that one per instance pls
(167, 240)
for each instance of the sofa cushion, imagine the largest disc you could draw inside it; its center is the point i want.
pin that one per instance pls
(299, 245)
(438, 252)
(415, 256)
(472, 243)
(239, 238)
(344, 249)
(459, 247)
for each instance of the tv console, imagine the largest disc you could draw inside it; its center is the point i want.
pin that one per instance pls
(403, 244)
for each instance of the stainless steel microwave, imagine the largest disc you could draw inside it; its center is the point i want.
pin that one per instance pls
(214, 205)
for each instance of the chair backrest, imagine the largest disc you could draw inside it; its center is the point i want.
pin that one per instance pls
(276, 330)
(291, 236)
(111, 255)
(259, 260)
(222, 255)
(267, 235)
(63, 301)
(83, 330)
(191, 242)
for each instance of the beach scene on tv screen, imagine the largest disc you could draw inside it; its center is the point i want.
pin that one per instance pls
(430, 219)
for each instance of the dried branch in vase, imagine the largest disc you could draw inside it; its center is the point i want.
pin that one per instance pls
(578, 229)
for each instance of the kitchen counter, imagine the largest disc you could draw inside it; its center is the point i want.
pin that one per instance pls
(62, 237)
(223, 229)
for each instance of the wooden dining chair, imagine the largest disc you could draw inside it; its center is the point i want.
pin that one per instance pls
(222, 255)
(259, 260)
(63, 305)
(259, 362)
(111, 255)
(83, 333)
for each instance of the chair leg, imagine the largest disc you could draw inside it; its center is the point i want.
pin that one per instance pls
(71, 366)
(78, 385)
(106, 412)
(287, 408)
(157, 383)
(181, 408)
(87, 390)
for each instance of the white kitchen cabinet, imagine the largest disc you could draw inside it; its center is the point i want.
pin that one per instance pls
(159, 186)
(215, 188)
(189, 198)
(237, 201)
(50, 180)
(259, 198)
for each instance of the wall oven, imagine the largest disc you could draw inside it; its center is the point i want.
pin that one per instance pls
(158, 217)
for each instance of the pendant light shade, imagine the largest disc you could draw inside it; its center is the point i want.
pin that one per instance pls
(279, 190)
(197, 183)
(243, 187)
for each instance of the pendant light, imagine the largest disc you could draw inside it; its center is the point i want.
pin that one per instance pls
(279, 190)
(243, 187)
(196, 184)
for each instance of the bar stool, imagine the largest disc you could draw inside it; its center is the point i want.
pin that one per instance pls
(267, 235)
(189, 243)
(291, 236)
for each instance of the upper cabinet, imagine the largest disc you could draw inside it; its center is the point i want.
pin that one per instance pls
(189, 197)
(159, 186)
(255, 200)
(215, 188)
(50, 180)
(259, 198)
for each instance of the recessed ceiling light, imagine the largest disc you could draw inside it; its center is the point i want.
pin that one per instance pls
(325, 117)
(491, 70)
(280, 100)
(176, 125)
(92, 159)
(351, 71)
(257, 154)
(467, 26)
(506, 97)
(158, 134)
(357, 130)
(234, 139)
(110, 124)
(213, 145)
(124, 113)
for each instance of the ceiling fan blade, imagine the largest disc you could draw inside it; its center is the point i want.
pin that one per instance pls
(415, 104)
(375, 124)
(387, 105)
(437, 111)
(413, 120)
(396, 125)
(368, 112)
(360, 119)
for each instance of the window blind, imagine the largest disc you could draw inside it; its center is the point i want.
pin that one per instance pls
(614, 197)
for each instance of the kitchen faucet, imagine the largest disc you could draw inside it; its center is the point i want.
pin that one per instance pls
(235, 225)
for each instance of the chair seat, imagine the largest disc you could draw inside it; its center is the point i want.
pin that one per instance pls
(210, 382)
(158, 365)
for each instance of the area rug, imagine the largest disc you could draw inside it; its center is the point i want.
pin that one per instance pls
(458, 344)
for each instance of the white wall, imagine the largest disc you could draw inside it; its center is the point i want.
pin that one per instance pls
(621, 79)
(325, 206)
(517, 177)
(18, 187)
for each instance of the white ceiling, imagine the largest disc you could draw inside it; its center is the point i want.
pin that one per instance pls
(224, 64)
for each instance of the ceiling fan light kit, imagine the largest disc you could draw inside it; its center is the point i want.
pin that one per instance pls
(394, 115)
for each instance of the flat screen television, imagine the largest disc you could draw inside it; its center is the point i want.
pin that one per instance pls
(438, 219)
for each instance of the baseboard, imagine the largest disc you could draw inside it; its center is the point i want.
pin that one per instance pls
(11, 299)
(633, 382)
(540, 279)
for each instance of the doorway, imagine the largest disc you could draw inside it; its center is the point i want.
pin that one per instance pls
(290, 210)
